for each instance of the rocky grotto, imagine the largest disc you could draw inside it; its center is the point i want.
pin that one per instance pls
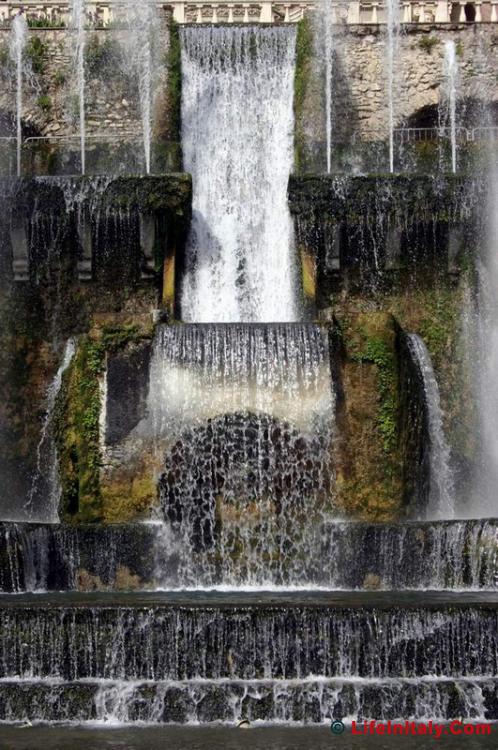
(248, 373)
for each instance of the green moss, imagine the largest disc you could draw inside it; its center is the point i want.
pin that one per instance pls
(77, 426)
(173, 63)
(304, 54)
(380, 353)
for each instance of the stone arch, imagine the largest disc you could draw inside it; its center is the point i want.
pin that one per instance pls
(425, 117)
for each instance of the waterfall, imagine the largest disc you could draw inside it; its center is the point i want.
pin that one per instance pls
(415, 556)
(141, 42)
(441, 498)
(18, 40)
(450, 78)
(237, 131)
(328, 20)
(44, 495)
(243, 420)
(392, 7)
(485, 356)
(78, 21)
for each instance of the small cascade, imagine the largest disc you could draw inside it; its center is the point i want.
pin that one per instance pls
(450, 81)
(78, 23)
(45, 492)
(140, 44)
(240, 256)
(18, 41)
(243, 421)
(247, 640)
(422, 555)
(441, 497)
(393, 27)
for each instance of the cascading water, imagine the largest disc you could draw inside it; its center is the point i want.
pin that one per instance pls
(450, 79)
(441, 498)
(240, 256)
(392, 8)
(243, 420)
(78, 23)
(329, 18)
(44, 495)
(141, 43)
(18, 41)
(486, 364)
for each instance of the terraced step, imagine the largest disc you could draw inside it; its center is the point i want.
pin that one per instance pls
(418, 555)
(290, 701)
(174, 636)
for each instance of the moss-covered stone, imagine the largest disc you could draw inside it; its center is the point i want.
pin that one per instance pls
(77, 429)
(369, 467)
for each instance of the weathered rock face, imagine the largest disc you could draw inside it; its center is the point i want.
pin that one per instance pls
(80, 257)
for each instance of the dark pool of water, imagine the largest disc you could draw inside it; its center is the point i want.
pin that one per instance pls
(271, 738)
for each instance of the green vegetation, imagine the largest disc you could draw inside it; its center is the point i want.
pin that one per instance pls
(77, 423)
(45, 22)
(427, 43)
(44, 102)
(377, 352)
(36, 53)
(173, 63)
(60, 78)
(304, 53)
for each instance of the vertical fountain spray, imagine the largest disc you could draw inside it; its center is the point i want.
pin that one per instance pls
(240, 256)
(78, 18)
(450, 72)
(18, 39)
(140, 43)
(392, 7)
(329, 19)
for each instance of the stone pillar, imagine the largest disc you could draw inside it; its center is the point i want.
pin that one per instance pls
(442, 14)
(169, 278)
(494, 15)
(374, 18)
(266, 15)
(354, 12)
(462, 12)
(147, 243)
(179, 11)
(20, 253)
(84, 229)
(455, 242)
(393, 247)
(478, 18)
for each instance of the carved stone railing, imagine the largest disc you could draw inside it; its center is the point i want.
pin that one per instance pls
(265, 11)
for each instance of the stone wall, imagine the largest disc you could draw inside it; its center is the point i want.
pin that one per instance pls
(50, 99)
(359, 82)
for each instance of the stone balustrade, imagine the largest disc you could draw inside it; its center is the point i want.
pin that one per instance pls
(266, 11)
